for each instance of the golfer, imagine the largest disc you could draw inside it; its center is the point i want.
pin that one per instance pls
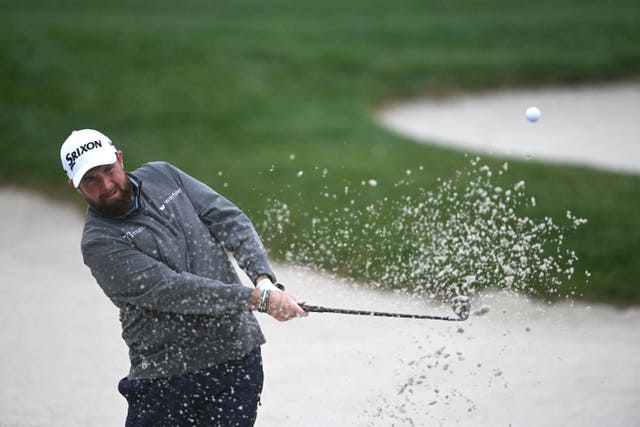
(157, 242)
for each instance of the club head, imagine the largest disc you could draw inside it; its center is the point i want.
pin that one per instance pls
(461, 306)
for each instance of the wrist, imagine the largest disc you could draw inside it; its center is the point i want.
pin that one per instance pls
(260, 300)
(263, 301)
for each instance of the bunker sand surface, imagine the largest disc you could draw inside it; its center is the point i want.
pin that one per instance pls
(514, 361)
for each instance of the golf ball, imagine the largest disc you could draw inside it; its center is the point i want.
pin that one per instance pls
(533, 114)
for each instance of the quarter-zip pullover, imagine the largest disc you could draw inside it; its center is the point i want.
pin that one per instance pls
(165, 265)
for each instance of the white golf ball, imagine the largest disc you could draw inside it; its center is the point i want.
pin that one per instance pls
(533, 114)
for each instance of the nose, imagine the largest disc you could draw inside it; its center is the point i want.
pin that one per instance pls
(106, 184)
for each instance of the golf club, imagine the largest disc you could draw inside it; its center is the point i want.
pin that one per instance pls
(461, 306)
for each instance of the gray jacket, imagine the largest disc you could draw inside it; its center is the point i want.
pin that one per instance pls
(165, 266)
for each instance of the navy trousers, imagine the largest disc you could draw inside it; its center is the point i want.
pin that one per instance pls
(224, 395)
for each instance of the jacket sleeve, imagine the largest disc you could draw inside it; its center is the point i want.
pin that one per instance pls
(229, 225)
(143, 281)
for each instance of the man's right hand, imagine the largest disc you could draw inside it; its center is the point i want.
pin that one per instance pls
(282, 305)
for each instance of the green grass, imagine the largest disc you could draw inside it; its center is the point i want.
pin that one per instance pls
(228, 90)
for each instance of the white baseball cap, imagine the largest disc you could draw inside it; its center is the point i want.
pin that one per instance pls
(83, 150)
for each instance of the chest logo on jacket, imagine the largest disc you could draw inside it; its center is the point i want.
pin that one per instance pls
(169, 199)
(129, 235)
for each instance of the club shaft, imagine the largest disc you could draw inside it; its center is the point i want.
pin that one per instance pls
(318, 309)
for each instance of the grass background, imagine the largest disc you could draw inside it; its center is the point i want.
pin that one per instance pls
(230, 90)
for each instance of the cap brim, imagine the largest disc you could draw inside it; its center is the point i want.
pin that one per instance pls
(100, 160)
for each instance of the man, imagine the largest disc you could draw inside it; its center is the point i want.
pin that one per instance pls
(157, 242)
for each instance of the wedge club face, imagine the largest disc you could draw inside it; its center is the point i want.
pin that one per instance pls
(461, 306)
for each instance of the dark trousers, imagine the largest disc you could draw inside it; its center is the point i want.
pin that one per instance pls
(224, 395)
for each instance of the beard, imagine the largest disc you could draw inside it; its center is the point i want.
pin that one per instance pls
(118, 206)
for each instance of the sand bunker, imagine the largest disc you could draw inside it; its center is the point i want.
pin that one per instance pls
(594, 126)
(513, 362)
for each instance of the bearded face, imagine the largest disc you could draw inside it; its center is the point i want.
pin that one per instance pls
(116, 201)
(108, 189)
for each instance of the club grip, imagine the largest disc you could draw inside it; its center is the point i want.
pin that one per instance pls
(311, 308)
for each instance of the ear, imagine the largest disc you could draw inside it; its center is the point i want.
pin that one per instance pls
(120, 157)
(75, 188)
